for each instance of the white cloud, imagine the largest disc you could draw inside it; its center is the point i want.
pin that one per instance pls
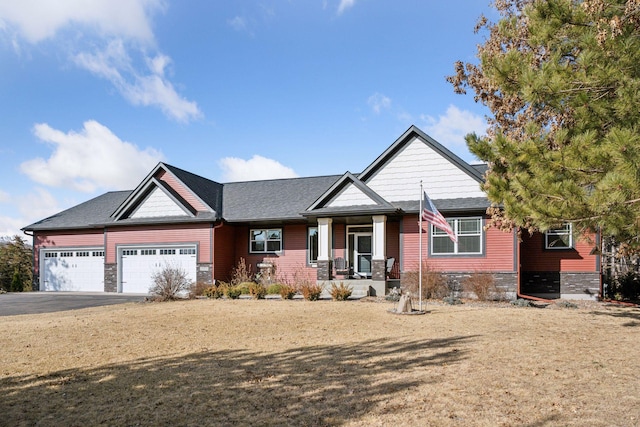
(450, 129)
(32, 206)
(256, 168)
(91, 159)
(4, 197)
(11, 226)
(344, 5)
(238, 23)
(124, 26)
(37, 20)
(36, 205)
(152, 89)
(379, 102)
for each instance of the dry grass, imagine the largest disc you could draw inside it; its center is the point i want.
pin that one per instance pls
(220, 362)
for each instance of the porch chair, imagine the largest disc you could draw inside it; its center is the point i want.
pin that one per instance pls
(341, 266)
(389, 267)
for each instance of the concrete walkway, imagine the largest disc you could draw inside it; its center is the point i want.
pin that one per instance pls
(14, 303)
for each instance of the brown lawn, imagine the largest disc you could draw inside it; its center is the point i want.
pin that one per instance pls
(218, 362)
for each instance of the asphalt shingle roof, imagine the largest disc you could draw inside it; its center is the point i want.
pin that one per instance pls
(273, 199)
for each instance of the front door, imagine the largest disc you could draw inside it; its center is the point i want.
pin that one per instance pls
(362, 254)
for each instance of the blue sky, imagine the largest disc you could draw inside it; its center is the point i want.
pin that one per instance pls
(94, 93)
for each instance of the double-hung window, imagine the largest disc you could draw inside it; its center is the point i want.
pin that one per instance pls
(559, 238)
(467, 230)
(265, 240)
(312, 245)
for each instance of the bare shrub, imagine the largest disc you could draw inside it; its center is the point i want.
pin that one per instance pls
(340, 292)
(434, 283)
(241, 273)
(214, 291)
(483, 285)
(170, 283)
(199, 289)
(257, 290)
(310, 291)
(287, 291)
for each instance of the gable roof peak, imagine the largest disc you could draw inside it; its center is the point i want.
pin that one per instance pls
(412, 132)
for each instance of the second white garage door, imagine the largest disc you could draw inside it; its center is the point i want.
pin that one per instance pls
(138, 265)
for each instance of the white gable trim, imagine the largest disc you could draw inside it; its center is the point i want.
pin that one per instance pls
(142, 193)
(351, 196)
(158, 204)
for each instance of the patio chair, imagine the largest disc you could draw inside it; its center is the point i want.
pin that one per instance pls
(390, 262)
(341, 266)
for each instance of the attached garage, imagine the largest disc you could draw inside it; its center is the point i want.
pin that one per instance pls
(69, 269)
(139, 264)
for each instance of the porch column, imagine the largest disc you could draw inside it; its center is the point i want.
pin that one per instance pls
(379, 249)
(325, 263)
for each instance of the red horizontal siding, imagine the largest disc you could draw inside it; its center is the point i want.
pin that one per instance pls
(499, 253)
(181, 190)
(535, 258)
(77, 239)
(292, 260)
(224, 243)
(189, 233)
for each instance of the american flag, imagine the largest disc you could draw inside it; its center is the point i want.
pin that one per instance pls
(432, 216)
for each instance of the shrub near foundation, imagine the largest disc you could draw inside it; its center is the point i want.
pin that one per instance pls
(310, 291)
(257, 290)
(287, 291)
(434, 283)
(483, 285)
(274, 289)
(340, 292)
(170, 283)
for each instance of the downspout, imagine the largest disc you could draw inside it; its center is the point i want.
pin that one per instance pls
(518, 294)
(212, 240)
(33, 261)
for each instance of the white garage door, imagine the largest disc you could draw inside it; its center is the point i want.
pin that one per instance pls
(138, 265)
(73, 270)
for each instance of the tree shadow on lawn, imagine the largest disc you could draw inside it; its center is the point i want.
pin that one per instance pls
(623, 313)
(317, 385)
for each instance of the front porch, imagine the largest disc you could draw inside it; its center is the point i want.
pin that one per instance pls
(353, 251)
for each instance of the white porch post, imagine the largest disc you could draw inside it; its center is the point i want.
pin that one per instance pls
(379, 255)
(379, 237)
(325, 263)
(324, 239)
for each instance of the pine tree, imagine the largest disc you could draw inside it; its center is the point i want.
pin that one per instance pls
(16, 265)
(562, 81)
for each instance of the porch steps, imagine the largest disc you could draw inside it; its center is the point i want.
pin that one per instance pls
(359, 288)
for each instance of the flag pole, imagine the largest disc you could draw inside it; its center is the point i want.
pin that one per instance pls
(420, 249)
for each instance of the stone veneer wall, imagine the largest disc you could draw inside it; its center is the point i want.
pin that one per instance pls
(324, 270)
(203, 273)
(506, 282)
(560, 284)
(378, 270)
(111, 277)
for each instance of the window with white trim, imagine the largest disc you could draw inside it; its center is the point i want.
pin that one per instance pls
(469, 233)
(265, 240)
(167, 251)
(559, 238)
(188, 251)
(312, 245)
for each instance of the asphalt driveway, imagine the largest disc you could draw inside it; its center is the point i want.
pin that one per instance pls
(15, 303)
